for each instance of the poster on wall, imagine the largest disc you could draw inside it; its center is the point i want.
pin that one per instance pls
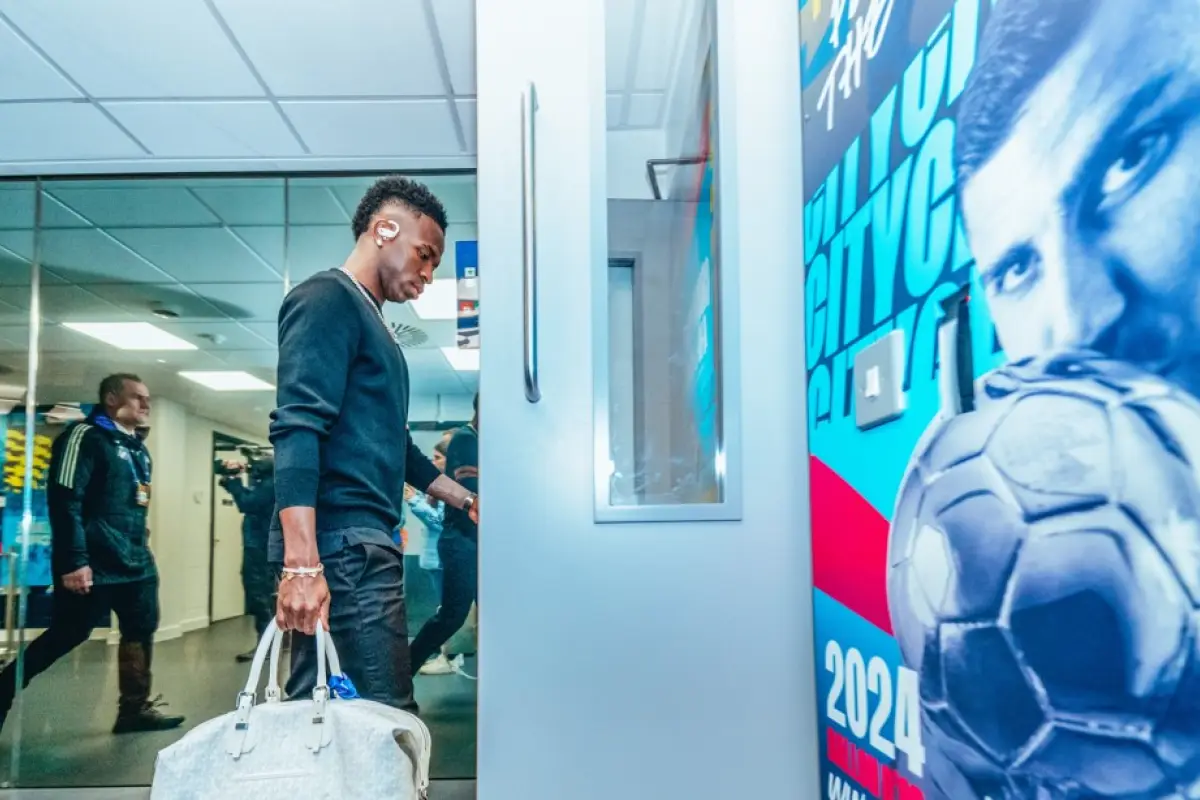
(1006, 599)
(466, 266)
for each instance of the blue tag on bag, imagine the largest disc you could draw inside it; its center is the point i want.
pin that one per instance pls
(341, 686)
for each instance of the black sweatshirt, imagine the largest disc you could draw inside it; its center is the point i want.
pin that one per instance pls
(340, 430)
(462, 464)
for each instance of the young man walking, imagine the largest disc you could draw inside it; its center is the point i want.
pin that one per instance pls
(342, 448)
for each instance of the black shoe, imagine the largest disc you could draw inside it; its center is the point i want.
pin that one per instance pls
(246, 657)
(147, 718)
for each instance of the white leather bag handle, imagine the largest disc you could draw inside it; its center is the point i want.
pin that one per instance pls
(239, 740)
(272, 644)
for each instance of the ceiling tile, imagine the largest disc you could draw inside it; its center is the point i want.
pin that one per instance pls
(456, 27)
(381, 128)
(17, 201)
(312, 248)
(13, 271)
(14, 338)
(267, 331)
(14, 305)
(257, 302)
(87, 256)
(467, 115)
(318, 48)
(16, 250)
(645, 110)
(175, 129)
(316, 204)
(56, 338)
(266, 241)
(25, 75)
(461, 202)
(664, 26)
(137, 48)
(50, 131)
(65, 302)
(196, 302)
(198, 254)
(249, 203)
(145, 205)
(215, 337)
(56, 215)
(619, 18)
(267, 359)
(614, 105)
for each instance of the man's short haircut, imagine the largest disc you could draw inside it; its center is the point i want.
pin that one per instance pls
(414, 196)
(1022, 43)
(115, 384)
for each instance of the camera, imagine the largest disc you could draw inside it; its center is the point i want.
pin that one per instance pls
(260, 462)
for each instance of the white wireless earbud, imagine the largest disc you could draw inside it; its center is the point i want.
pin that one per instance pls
(387, 231)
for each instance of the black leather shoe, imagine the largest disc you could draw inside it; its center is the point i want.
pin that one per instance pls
(147, 718)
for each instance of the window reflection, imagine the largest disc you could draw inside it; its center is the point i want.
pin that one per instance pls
(665, 433)
(178, 282)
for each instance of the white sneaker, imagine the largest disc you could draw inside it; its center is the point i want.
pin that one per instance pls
(437, 666)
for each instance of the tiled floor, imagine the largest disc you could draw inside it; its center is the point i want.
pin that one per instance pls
(65, 738)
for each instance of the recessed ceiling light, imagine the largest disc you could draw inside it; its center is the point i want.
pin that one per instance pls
(130, 335)
(438, 301)
(462, 360)
(227, 381)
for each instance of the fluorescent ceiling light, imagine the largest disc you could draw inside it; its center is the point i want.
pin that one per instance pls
(227, 381)
(438, 301)
(130, 335)
(462, 360)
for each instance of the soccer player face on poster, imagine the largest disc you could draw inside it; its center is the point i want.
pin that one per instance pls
(1078, 154)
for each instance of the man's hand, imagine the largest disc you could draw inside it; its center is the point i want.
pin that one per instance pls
(473, 513)
(303, 601)
(409, 492)
(79, 581)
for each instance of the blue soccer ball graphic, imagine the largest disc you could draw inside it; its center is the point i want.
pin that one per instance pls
(1044, 581)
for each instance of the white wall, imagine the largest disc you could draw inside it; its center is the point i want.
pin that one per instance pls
(181, 512)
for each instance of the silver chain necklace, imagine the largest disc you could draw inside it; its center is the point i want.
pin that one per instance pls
(366, 293)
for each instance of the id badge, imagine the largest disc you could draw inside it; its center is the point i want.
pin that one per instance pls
(143, 495)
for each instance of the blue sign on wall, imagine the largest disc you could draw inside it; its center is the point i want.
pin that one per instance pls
(466, 259)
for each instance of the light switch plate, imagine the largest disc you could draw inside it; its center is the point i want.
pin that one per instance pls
(879, 381)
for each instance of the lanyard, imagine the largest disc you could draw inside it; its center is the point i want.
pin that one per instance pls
(141, 470)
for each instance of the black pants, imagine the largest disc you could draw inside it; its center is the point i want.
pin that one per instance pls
(460, 587)
(369, 624)
(74, 618)
(258, 582)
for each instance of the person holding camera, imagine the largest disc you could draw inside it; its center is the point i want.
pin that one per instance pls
(256, 501)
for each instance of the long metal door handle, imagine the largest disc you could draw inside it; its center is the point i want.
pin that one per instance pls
(529, 104)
